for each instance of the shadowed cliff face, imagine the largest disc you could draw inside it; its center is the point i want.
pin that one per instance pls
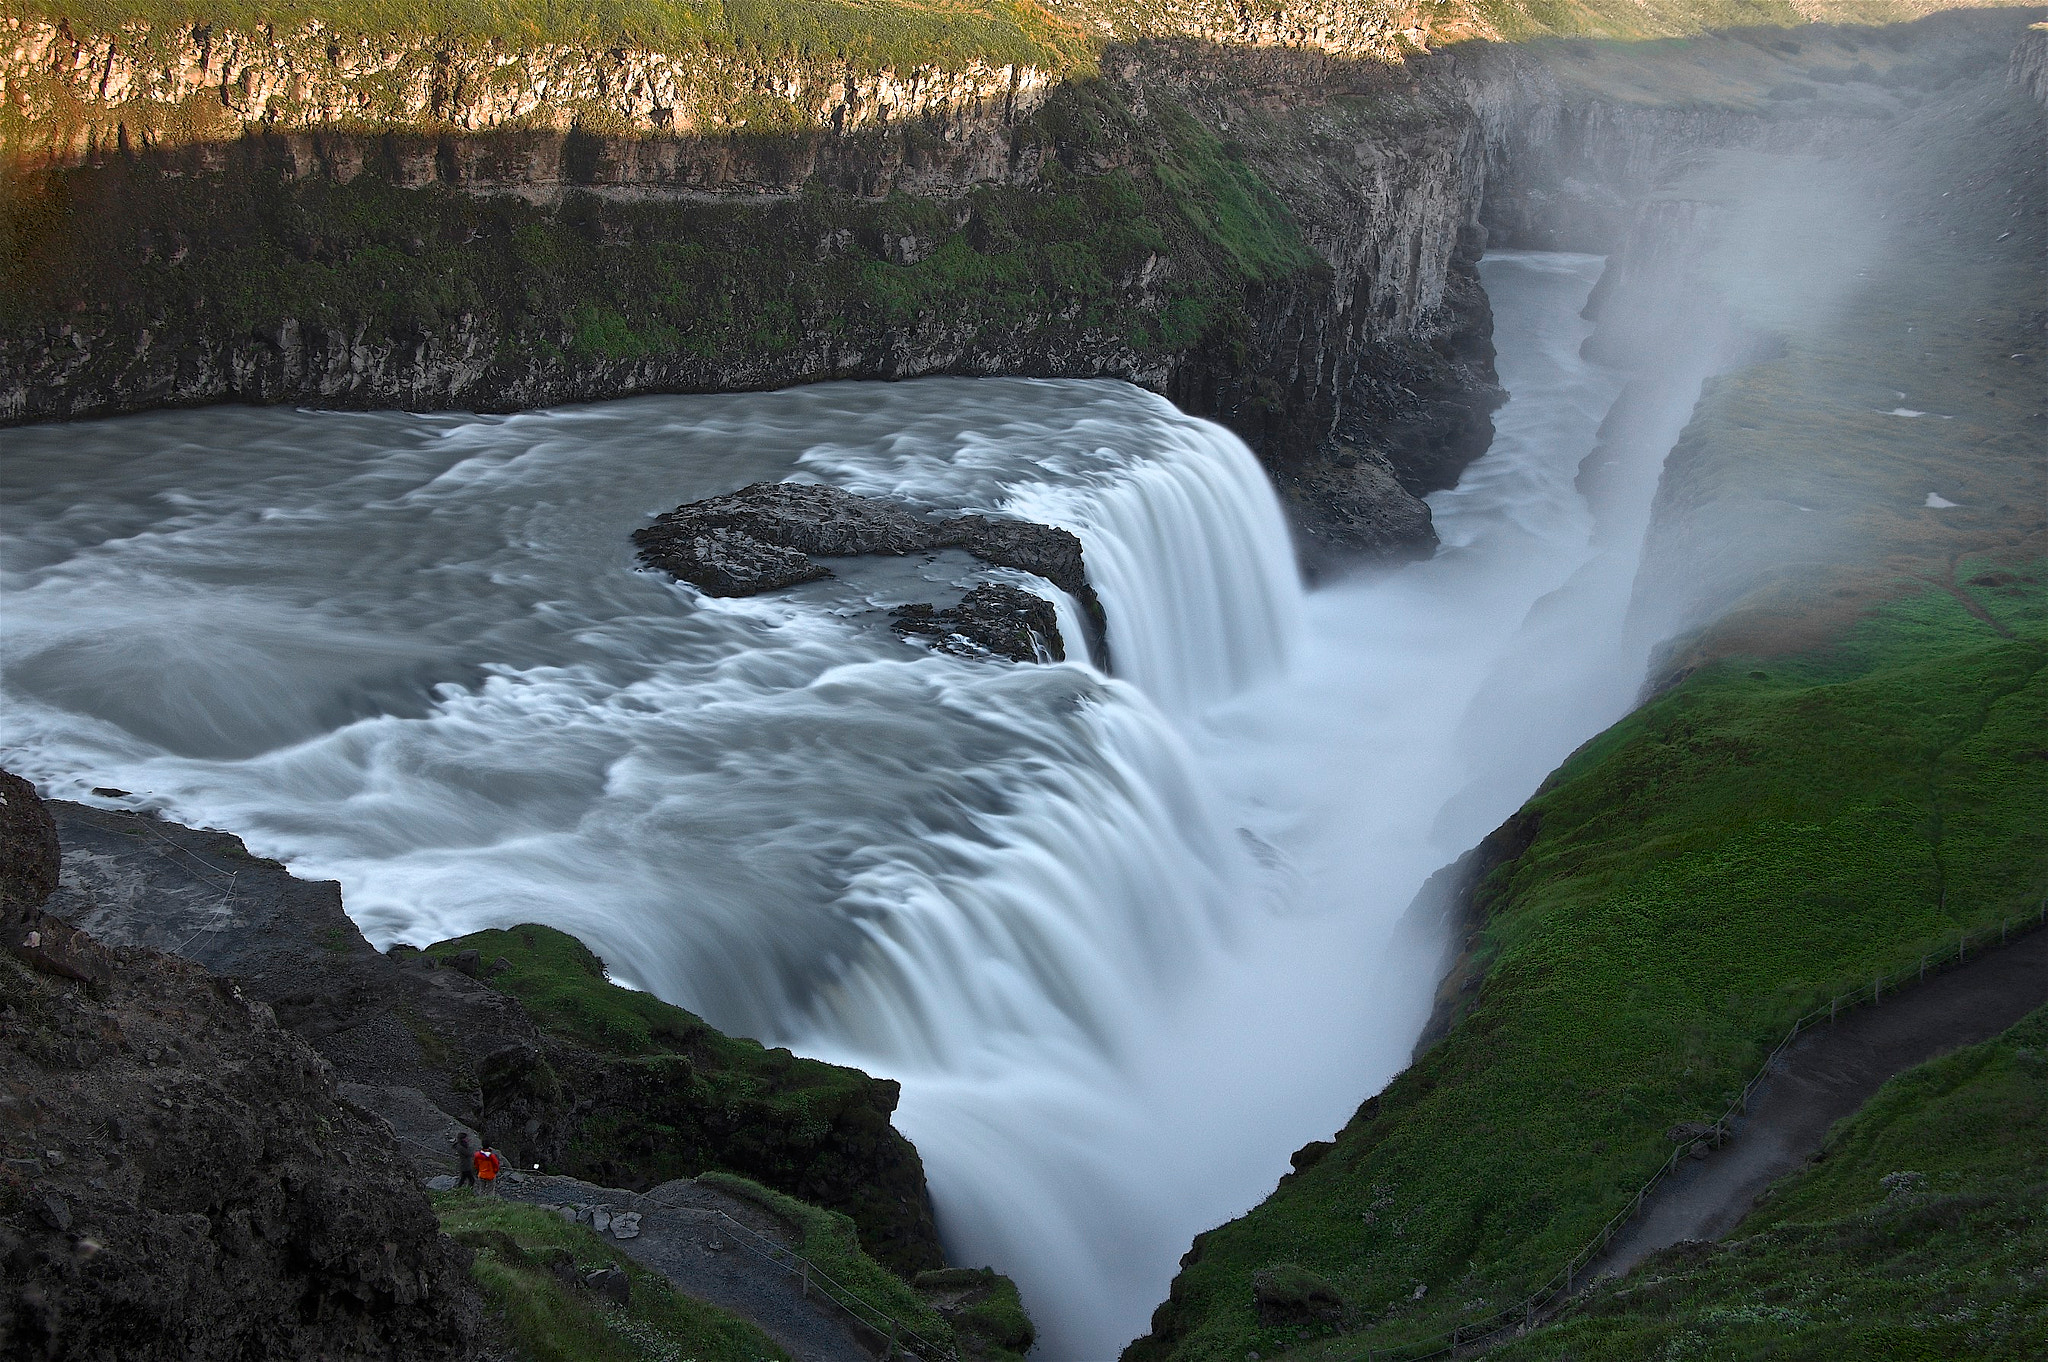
(1277, 239)
(181, 1178)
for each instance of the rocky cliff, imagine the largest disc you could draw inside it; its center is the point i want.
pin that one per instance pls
(2028, 66)
(181, 1177)
(437, 1048)
(1178, 220)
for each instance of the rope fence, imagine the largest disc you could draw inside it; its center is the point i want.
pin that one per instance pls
(1523, 1315)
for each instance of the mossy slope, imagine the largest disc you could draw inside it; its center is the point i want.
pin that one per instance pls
(1922, 1233)
(1844, 769)
(546, 1315)
(1699, 875)
(633, 1091)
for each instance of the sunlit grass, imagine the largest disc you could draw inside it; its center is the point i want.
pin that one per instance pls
(898, 33)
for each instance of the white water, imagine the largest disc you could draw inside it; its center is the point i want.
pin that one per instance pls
(1126, 942)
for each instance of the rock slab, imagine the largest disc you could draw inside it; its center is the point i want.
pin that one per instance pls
(764, 538)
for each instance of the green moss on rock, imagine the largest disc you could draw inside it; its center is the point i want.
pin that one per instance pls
(634, 1091)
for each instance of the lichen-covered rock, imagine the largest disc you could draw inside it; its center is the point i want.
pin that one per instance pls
(732, 563)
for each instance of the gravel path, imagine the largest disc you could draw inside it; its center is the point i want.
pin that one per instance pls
(680, 1239)
(1826, 1075)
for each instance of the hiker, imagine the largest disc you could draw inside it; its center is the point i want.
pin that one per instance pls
(487, 1165)
(465, 1161)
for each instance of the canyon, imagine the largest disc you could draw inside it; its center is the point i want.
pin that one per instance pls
(1286, 222)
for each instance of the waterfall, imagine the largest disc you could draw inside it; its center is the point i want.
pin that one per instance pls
(1184, 539)
(1126, 939)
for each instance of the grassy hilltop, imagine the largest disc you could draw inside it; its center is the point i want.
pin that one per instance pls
(894, 33)
(1056, 35)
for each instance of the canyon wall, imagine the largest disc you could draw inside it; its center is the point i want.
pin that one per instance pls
(1281, 239)
(1273, 222)
(70, 95)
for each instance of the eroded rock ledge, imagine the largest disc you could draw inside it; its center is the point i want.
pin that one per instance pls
(763, 538)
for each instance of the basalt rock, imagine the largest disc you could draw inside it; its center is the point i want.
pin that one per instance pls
(761, 538)
(991, 618)
(28, 849)
(181, 1180)
(426, 1042)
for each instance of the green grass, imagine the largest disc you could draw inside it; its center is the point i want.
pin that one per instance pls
(563, 985)
(549, 1320)
(871, 33)
(1765, 833)
(673, 1097)
(827, 1239)
(1922, 1233)
(989, 1320)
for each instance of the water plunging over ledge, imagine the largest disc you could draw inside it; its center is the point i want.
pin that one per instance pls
(1127, 941)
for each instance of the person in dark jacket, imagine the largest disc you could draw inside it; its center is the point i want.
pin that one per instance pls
(465, 1161)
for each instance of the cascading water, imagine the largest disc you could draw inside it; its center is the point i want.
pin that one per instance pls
(1126, 941)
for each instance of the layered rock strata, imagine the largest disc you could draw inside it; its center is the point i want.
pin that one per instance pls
(1178, 222)
(73, 94)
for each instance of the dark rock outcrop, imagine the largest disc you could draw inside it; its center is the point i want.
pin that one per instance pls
(760, 538)
(991, 618)
(29, 851)
(181, 1179)
(431, 1049)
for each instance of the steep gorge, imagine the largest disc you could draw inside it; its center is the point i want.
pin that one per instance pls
(1282, 239)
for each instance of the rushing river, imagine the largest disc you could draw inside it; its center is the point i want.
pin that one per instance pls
(1127, 941)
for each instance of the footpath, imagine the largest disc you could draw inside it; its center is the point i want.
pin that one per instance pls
(710, 1245)
(698, 1238)
(1827, 1074)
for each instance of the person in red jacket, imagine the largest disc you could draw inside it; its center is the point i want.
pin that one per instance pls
(487, 1165)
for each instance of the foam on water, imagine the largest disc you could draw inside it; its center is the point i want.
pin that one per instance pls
(1126, 940)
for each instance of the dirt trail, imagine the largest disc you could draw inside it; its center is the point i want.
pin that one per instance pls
(1826, 1075)
(703, 1258)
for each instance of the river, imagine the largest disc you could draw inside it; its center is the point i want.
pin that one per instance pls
(1126, 940)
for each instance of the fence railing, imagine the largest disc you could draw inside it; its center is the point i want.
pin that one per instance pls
(1525, 1313)
(899, 1340)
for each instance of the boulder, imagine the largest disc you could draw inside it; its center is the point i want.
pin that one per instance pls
(991, 619)
(28, 850)
(187, 1183)
(612, 1283)
(762, 538)
(1290, 1294)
